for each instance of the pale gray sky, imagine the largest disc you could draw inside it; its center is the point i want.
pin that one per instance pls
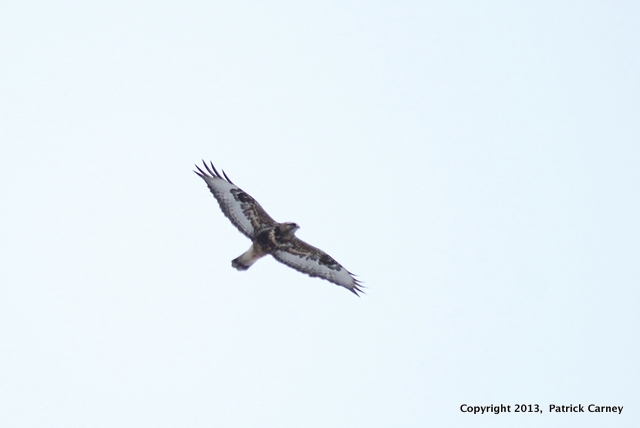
(476, 163)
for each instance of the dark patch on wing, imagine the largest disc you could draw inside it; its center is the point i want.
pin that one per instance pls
(327, 260)
(241, 196)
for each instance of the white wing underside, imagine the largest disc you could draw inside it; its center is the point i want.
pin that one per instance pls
(239, 207)
(312, 264)
(231, 207)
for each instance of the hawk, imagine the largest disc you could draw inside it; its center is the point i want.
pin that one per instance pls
(270, 237)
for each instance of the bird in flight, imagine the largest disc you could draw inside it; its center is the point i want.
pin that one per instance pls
(270, 237)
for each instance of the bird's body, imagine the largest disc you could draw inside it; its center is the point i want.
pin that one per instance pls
(271, 237)
(265, 243)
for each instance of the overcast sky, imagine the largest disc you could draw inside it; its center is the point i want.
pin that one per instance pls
(475, 163)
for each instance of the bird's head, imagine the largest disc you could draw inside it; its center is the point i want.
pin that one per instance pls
(289, 229)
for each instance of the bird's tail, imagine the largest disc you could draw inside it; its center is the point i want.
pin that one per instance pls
(245, 261)
(237, 263)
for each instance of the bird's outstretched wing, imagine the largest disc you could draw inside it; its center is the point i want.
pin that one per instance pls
(308, 259)
(244, 212)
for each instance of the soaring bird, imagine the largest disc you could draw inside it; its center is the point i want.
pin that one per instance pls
(270, 237)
